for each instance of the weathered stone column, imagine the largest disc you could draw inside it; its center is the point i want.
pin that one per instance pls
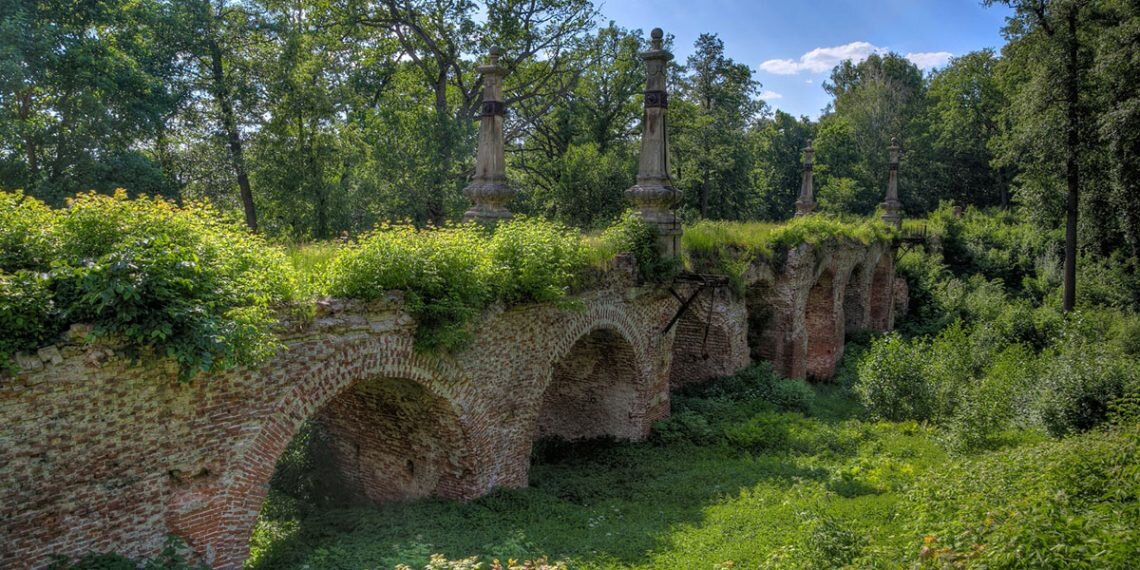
(892, 208)
(806, 202)
(653, 196)
(489, 190)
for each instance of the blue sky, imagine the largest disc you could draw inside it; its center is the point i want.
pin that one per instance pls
(791, 45)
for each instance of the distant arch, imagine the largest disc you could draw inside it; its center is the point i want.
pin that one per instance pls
(855, 300)
(881, 315)
(824, 327)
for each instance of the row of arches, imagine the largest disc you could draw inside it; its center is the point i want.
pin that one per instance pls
(400, 435)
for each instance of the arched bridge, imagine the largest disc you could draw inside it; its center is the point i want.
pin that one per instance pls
(100, 455)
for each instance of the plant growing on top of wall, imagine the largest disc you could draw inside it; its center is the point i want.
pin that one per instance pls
(165, 280)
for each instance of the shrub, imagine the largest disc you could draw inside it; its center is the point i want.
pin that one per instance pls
(993, 402)
(164, 280)
(534, 260)
(1057, 504)
(891, 381)
(1079, 384)
(27, 314)
(633, 235)
(27, 233)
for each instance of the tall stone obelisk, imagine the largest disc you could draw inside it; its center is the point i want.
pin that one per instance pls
(653, 195)
(489, 190)
(806, 202)
(892, 208)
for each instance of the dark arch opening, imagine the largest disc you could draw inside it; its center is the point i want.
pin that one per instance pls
(592, 391)
(881, 299)
(379, 440)
(854, 299)
(824, 329)
(763, 341)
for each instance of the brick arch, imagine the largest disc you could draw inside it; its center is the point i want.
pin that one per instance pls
(217, 520)
(824, 323)
(856, 296)
(881, 293)
(598, 378)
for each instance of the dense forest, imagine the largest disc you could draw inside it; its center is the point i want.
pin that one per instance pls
(313, 118)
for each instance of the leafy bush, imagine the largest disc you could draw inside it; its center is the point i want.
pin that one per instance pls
(535, 261)
(451, 274)
(633, 235)
(1079, 384)
(27, 240)
(1058, 504)
(26, 314)
(892, 384)
(166, 280)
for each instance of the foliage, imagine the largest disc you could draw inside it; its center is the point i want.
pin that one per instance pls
(26, 239)
(165, 280)
(631, 234)
(1067, 504)
(450, 274)
(729, 248)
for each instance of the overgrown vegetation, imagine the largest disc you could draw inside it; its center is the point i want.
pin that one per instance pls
(166, 280)
(729, 248)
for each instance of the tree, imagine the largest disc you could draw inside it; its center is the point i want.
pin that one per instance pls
(777, 143)
(710, 141)
(966, 105)
(1050, 52)
(85, 88)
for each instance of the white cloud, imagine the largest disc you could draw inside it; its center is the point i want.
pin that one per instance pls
(930, 59)
(769, 95)
(822, 59)
(809, 81)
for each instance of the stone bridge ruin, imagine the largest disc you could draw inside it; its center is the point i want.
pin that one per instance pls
(101, 455)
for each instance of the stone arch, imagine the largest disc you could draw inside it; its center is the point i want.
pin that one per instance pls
(217, 520)
(824, 326)
(855, 300)
(596, 388)
(708, 342)
(880, 316)
(597, 381)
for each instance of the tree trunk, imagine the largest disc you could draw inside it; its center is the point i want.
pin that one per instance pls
(229, 125)
(1072, 164)
(705, 195)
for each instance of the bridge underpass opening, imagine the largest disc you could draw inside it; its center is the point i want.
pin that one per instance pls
(824, 328)
(882, 282)
(592, 392)
(855, 301)
(379, 440)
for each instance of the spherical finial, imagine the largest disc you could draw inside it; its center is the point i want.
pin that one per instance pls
(496, 51)
(808, 147)
(657, 33)
(894, 141)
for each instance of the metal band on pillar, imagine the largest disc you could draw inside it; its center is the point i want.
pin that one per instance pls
(653, 196)
(489, 190)
(806, 202)
(892, 207)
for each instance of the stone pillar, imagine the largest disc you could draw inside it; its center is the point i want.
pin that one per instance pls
(653, 196)
(806, 202)
(489, 190)
(892, 208)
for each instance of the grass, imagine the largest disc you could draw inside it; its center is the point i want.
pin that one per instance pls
(729, 248)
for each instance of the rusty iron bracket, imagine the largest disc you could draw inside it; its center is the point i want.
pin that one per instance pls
(703, 282)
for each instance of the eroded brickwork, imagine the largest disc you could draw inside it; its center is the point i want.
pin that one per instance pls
(103, 455)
